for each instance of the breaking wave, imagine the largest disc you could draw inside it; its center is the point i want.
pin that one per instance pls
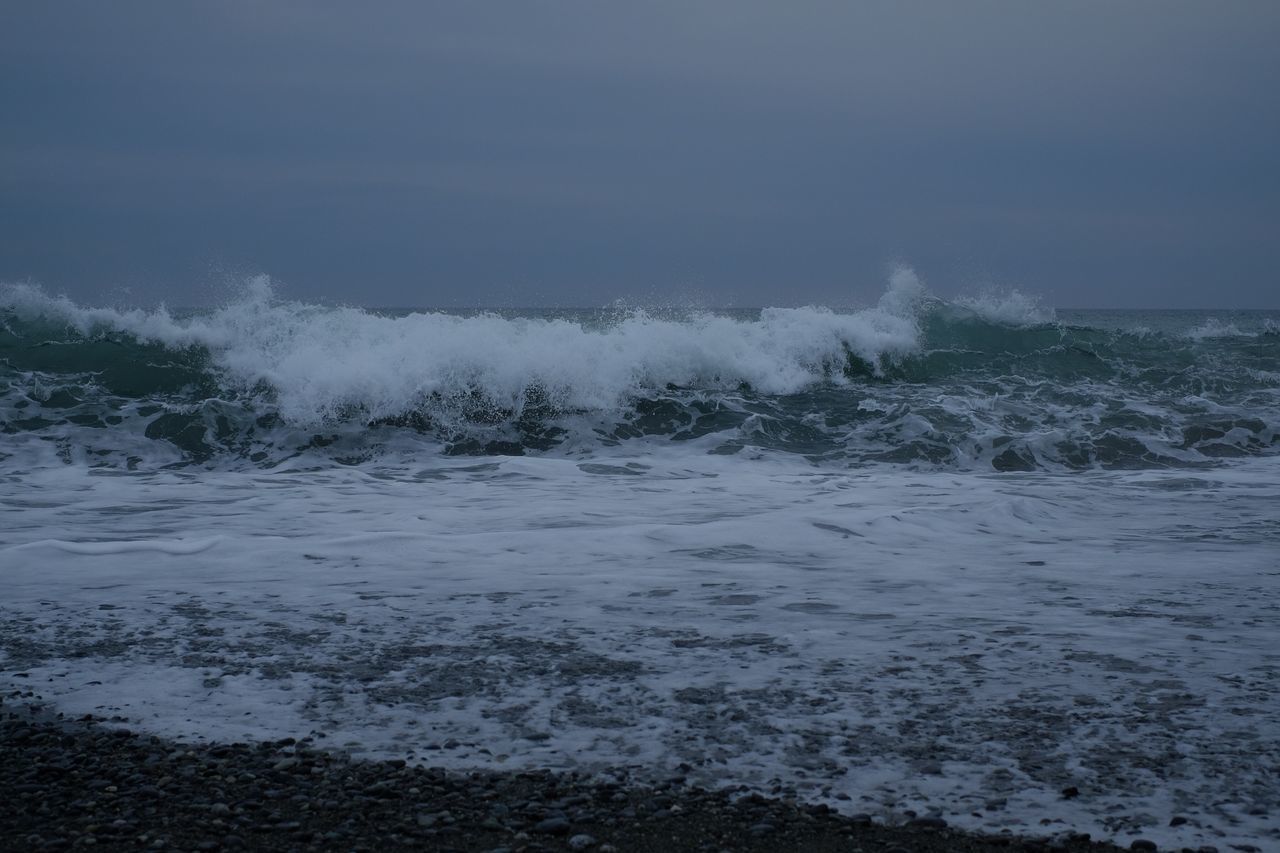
(996, 380)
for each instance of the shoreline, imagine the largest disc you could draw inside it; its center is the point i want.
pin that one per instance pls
(78, 783)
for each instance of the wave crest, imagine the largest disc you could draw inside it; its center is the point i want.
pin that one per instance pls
(1010, 308)
(323, 363)
(982, 382)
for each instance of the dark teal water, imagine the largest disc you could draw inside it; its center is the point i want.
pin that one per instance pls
(914, 381)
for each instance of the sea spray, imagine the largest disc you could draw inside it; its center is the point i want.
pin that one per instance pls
(995, 381)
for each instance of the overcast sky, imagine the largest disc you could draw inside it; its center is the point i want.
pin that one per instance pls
(1109, 154)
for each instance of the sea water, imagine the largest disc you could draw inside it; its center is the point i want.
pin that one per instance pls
(948, 558)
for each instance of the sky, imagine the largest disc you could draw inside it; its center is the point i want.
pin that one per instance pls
(539, 153)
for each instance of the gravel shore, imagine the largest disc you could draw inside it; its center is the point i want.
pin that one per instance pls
(78, 783)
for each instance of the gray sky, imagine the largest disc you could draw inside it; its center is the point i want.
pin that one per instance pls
(1109, 154)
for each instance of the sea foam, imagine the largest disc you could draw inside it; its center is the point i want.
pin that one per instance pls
(321, 362)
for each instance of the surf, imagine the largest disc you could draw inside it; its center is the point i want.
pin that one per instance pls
(997, 381)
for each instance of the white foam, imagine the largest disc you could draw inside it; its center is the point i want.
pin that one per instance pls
(1010, 308)
(933, 642)
(326, 363)
(110, 547)
(1215, 328)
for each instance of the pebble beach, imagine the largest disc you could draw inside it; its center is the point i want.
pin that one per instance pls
(88, 783)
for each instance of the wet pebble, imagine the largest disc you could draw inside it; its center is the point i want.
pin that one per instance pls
(256, 797)
(552, 826)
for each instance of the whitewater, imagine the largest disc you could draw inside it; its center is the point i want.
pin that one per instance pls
(939, 557)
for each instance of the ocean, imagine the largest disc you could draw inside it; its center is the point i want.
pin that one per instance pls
(938, 557)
